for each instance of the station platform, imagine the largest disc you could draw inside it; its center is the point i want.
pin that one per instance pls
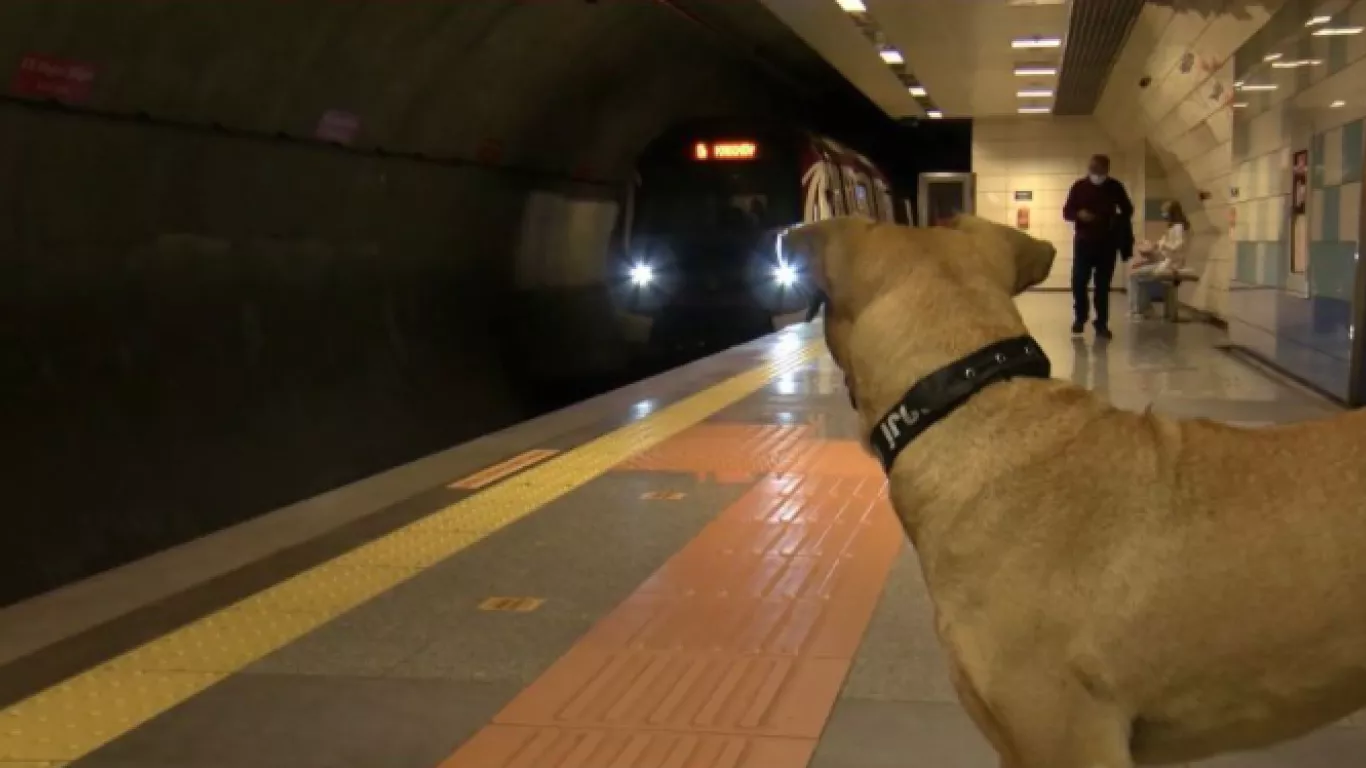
(700, 570)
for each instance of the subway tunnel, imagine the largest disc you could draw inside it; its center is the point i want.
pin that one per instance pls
(327, 441)
(255, 251)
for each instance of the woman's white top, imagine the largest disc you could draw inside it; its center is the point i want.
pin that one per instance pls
(1171, 249)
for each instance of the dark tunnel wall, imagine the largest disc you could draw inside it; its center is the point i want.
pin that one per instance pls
(200, 326)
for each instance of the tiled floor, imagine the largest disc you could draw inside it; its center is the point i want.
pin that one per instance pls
(722, 586)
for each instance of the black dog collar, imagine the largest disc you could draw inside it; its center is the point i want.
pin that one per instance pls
(939, 394)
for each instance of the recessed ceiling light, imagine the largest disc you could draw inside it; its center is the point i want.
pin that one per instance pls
(1329, 31)
(1317, 20)
(1031, 70)
(1240, 105)
(853, 6)
(1257, 87)
(1035, 110)
(1338, 103)
(934, 114)
(1034, 93)
(891, 56)
(1271, 57)
(917, 90)
(1036, 42)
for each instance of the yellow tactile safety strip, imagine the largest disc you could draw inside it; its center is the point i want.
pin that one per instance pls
(85, 712)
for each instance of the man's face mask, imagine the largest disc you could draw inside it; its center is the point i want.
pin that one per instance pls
(1097, 177)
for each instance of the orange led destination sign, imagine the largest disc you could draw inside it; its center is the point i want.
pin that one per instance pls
(725, 150)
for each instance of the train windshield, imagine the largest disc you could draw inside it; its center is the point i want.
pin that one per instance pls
(712, 201)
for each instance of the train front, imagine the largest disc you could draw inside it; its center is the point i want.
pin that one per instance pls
(699, 260)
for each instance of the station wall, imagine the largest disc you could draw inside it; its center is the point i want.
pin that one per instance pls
(1040, 156)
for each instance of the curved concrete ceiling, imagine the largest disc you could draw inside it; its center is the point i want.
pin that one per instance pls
(828, 29)
(1173, 94)
(572, 86)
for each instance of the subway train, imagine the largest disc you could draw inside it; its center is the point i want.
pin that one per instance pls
(696, 267)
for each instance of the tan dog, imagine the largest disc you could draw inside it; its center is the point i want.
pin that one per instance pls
(1111, 588)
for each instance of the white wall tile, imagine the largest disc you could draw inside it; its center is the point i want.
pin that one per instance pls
(1045, 156)
(1316, 215)
(1332, 157)
(1349, 211)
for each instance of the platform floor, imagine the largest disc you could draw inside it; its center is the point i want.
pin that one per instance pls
(699, 571)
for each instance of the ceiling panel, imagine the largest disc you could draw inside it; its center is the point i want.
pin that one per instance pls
(1095, 38)
(961, 49)
(964, 52)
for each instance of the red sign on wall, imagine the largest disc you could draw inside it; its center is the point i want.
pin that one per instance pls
(336, 125)
(46, 77)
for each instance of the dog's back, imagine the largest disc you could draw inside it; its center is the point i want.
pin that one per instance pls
(1265, 568)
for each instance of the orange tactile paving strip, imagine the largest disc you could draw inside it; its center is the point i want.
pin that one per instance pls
(733, 653)
(742, 452)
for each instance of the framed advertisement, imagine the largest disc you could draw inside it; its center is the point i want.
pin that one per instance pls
(1299, 203)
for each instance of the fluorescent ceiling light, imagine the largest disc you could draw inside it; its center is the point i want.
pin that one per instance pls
(917, 90)
(935, 114)
(1036, 42)
(1035, 110)
(1240, 105)
(1271, 57)
(1338, 103)
(1328, 31)
(1034, 93)
(1317, 20)
(1030, 70)
(1258, 87)
(891, 56)
(852, 6)
(1295, 64)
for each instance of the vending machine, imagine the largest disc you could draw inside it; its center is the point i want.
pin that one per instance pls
(944, 195)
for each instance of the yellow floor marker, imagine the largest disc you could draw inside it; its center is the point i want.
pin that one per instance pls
(491, 475)
(510, 604)
(81, 714)
(662, 495)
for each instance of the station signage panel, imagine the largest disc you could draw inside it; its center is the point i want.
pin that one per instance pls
(725, 150)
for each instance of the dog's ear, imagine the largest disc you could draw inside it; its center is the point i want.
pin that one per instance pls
(821, 249)
(1030, 258)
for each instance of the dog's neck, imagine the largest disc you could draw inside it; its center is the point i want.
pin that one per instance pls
(938, 395)
(885, 367)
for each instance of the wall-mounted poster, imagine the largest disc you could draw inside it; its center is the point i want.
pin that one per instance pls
(1299, 223)
(1299, 170)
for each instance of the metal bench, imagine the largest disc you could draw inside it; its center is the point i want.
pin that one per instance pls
(1168, 284)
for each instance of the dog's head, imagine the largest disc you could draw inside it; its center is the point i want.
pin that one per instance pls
(936, 288)
(999, 245)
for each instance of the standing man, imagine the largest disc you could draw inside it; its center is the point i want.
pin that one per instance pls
(1100, 208)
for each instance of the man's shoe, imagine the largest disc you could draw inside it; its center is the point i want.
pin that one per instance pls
(1078, 327)
(1103, 332)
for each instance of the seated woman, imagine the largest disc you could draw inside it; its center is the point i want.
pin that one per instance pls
(1155, 261)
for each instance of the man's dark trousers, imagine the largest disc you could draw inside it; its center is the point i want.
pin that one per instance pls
(1092, 257)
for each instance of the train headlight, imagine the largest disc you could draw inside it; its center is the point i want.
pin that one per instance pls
(785, 275)
(641, 274)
